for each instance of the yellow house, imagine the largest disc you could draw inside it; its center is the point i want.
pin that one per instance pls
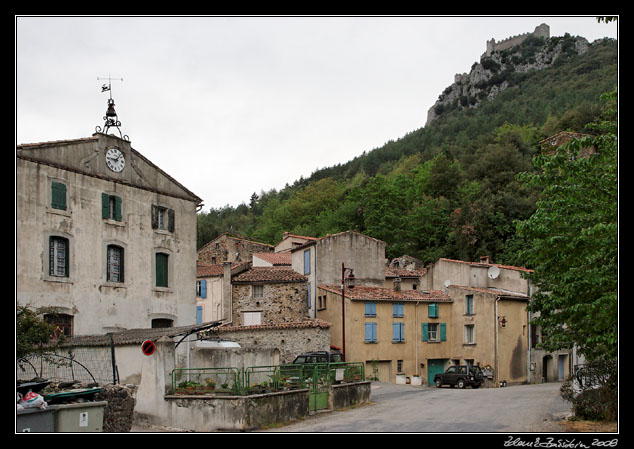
(399, 334)
(491, 329)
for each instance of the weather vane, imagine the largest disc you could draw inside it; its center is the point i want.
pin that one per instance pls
(111, 115)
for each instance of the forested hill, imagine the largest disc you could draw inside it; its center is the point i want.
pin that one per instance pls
(448, 189)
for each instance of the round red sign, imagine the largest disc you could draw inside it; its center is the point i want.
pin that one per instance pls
(148, 347)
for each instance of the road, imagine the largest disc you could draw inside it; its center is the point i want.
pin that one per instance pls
(408, 408)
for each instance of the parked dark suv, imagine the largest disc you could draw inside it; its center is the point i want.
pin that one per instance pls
(318, 357)
(460, 375)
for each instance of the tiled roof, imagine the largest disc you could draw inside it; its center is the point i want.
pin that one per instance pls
(312, 242)
(508, 267)
(275, 258)
(305, 237)
(290, 325)
(494, 291)
(389, 294)
(134, 336)
(404, 272)
(205, 270)
(269, 274)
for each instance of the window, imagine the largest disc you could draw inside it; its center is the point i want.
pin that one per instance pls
(469, 334)
(469, 305)
(160, 323)
(308, 294)
(110, 207)
(201, 288)
(432, 310)
(114, 264)
(161, 268)
(162, 218)
(397, 309)
(307, 261)
(322, 302)
(58, 257)
(398, 332)
(370, 309)
(258, 291)
(370, 332)
(58, 195)
(199, 314)
(434, 332)
(63, 323)
(251, 318)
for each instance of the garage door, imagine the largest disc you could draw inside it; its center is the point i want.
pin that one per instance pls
(379, 369)
(434, 366)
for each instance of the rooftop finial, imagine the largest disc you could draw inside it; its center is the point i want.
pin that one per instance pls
(111, 115)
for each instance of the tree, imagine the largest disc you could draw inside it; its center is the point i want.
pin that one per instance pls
(573, 243)
(33, 333)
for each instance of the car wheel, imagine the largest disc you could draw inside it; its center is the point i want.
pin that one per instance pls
(438, 383)
(461, 383)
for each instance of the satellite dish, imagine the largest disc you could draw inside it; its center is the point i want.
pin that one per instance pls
(447, 283)
(494, 272)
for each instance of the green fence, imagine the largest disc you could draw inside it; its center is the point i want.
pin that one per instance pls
(264, 379)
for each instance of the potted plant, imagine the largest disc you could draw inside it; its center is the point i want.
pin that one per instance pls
(210, 385)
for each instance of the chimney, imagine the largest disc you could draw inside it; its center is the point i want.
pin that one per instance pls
(397, 284)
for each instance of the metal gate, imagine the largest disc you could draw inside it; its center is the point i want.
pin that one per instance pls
(318, 382)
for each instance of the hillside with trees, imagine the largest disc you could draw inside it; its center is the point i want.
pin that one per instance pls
(451, 188)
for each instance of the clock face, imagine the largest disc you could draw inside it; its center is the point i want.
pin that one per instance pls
(115, 160)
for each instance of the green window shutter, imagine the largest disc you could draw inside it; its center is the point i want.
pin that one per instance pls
(105, 205)
(425, 332)
(443, 332)
(170, 220)
(161, 269)
(58, 195)
(433, 310)
(117, 208)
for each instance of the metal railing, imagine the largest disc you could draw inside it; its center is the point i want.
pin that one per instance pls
(264, 379)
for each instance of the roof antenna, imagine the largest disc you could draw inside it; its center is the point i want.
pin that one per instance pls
(110, 118)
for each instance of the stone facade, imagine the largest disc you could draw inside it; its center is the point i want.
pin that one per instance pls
(542, 30)
(89, 238)
(291, 339)
(321, 260)
(231, 248)
(269, 295)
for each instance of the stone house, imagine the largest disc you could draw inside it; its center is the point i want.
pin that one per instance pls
(550, 144)
(260, 307)
(409, 278)
(267, 295)
(321, 260)
(104, 235)
(391, 331)
(231, 248)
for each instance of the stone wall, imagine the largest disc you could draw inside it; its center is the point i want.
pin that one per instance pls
(291, 339)
(280, 303)
(119, 412)
(227, 248)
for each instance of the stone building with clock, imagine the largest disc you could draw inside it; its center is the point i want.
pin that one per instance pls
(103, 235)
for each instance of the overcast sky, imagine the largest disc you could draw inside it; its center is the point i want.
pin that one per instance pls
(229, 106)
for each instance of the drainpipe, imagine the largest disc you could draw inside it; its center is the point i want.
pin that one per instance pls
(416, 336)
(497, 363)
(528, 356)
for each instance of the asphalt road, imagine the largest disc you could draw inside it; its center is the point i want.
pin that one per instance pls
(407, 408)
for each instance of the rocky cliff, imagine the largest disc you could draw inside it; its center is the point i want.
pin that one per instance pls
(501, 69)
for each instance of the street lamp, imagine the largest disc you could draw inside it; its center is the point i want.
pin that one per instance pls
(349, 281)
